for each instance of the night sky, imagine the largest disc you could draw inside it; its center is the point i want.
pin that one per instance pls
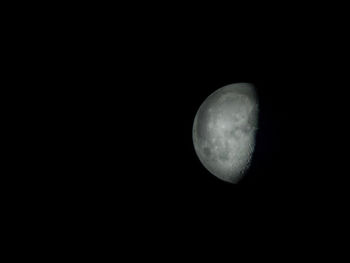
(115, 99)
(154, 102)
(140, 89)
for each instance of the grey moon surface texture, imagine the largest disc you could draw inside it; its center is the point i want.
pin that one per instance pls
(224, 131)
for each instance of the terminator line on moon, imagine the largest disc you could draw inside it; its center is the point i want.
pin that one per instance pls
(224, 131)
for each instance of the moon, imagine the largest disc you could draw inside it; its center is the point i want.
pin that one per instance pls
(224, 131)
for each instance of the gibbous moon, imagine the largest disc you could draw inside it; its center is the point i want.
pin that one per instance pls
(224, 131)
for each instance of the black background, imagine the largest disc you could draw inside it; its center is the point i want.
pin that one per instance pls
(116, 94)
(153, 95)
(138, 161)
(138, 84)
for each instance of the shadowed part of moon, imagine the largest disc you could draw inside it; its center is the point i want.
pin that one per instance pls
(224, 131)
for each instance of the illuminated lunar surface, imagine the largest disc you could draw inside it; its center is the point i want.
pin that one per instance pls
(224, 131)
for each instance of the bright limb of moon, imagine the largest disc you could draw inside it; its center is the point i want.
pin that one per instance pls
(224, 131)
